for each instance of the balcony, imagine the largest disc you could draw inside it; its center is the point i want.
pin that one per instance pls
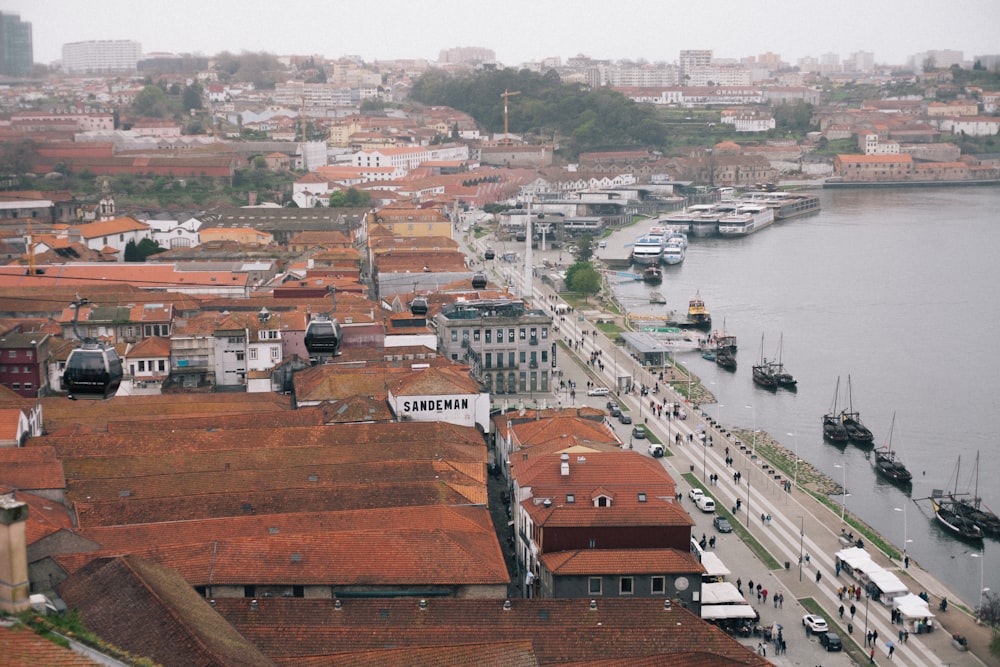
(533, 340)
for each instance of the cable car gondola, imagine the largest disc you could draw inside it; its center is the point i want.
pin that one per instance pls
(93, 370)
(478, 281)
(418, 306)
(323, 337)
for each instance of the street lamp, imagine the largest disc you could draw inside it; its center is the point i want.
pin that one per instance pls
(905, 541)
(753, 440)
(748, 499)
(796, 435)
(843, 501)
(982, 558)
(704, 465)
(802, 537)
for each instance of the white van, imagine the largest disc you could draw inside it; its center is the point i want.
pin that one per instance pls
(598, 391)
(705, 504)
(602, 244)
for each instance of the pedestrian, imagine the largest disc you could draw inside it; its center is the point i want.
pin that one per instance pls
(906, 636)
(837, 566)
(775, 600)
(871, 656)
(739, 585)
(763, 518)
(819, 575)
(763, 594)
(758, 596)
(900, 635)
(857, 593)
(874, 636)
(781, 601)
(759, 587)
(906, 562)
(853, 609)
(840, 610)
(892, 649)
(750, 584)
(868, 638)
(850, 628)
(711, 542)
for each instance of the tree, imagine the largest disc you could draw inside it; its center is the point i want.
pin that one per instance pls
(584, 279)
(192, 97)
(152, 102)
(584, 248)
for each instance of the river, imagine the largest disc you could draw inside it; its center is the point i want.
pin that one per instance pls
(898, 289)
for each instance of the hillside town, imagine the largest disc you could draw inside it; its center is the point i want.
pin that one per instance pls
(325, 428)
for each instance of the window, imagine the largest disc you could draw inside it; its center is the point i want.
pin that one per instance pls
(642, 497)
(29, 354)
(454, 335)
(142, 366)
(475, 335)
(523, 356)
(489, 336)
(15, 369)
(534, 332)
(12, 354)
(499, 336)
(16, 386)
(253, 354)
(658, 585)
(545, 356)
(275, 353)
(161, 365)
(594, 586)
(570, 498)
(625, 585)
(545, 333)
(240, 356)
(523, 333)
(510, 361)
(489, 359)
(510, 335)
(27, 386)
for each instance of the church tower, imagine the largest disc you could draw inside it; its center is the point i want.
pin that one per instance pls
(106, 207)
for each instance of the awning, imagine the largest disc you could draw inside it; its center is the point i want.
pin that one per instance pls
(912, 606)
(713, 565)
(887, 582)
(711, 612)
(720, 593)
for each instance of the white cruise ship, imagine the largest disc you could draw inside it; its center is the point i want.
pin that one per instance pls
(673, 253)
(648, 249)
(745, 219)
(698, 220)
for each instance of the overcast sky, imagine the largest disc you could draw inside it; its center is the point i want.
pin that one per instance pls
(522, 30)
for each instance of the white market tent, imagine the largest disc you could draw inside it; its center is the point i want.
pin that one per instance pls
(912, 607)
(720, 593)
(889, 584)
(713, 565)
(712, 612)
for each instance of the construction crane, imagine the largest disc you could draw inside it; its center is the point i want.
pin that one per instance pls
(505, 95)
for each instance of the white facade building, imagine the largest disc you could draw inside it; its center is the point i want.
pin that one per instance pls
(101, 56)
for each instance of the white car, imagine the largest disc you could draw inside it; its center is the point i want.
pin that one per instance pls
(598, 391)
(695, 493)
(814, 623)
(705, 504)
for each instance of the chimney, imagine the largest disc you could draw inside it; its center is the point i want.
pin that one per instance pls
(564, 466)
(15, 589)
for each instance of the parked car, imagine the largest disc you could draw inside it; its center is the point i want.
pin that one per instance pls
(722, 524)
(598, 391)
(611, 404)
(831, 641)
(624, 418)
(695, 493)
(705, 504)
(639, 433)
(614, 411)
(814, 623)
(656, 451)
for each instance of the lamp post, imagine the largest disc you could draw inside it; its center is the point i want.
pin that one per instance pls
(704, 464)
(753, 439)
(802, 537)
(982, 558)
(748, 499)
(843, 501)
(905, 541)
(796, 435)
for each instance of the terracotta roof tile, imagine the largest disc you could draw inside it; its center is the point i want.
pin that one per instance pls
(561, 631)
(505, 654)
(620, 561)
(31, 468)
(20, 647)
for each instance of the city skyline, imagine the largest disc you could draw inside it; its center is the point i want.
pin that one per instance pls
(892, 30)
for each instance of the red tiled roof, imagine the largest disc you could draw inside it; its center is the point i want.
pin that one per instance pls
(620, 561)
(20, 647)
(561, 631)
(31, 468)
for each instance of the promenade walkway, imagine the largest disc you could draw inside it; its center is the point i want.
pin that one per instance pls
(799, 523)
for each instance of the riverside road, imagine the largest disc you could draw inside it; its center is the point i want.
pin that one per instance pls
(798, 522)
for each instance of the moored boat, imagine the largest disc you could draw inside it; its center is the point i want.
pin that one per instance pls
(857, 432)
(673, 253)
(833, 427)
(784, 379)
(746, 219)
(652, 275)
(647, 250)
(954, 522)
(725, 359)
(697, 316)
(887, 464)
(972, 508)
(762, 375)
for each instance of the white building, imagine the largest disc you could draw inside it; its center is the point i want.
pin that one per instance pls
(101, 56)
